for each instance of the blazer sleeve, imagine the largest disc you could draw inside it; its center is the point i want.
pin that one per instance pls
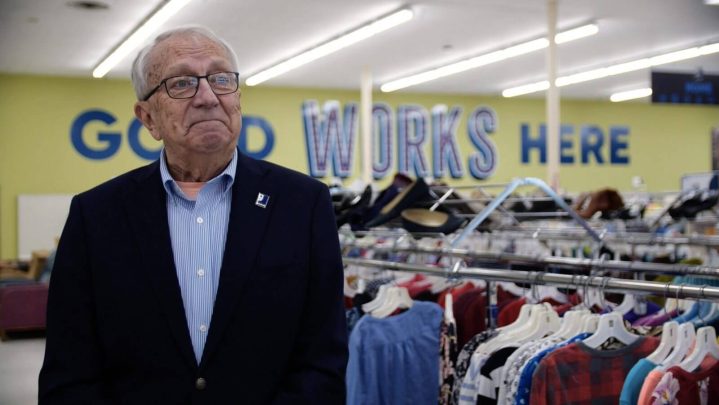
(317, 371)
(71, 370)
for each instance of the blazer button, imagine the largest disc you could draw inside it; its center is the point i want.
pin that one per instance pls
(200, 384)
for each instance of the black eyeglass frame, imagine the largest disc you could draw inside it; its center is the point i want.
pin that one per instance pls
(164, 83)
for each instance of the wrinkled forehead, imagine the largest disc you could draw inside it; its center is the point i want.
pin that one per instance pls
(176, 50)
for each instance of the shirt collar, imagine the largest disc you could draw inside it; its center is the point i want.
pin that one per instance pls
(227, 176)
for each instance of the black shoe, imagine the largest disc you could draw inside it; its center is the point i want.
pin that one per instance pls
(420, 220)
(416, 192)
(354, 212)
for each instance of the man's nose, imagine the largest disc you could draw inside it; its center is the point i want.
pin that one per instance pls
(204, 93)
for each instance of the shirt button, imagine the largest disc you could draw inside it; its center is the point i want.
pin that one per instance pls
(201, 273)
(203, 328)
(200, 384)
(200, 220)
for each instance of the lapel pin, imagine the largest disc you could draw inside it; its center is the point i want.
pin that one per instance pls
(262, 200)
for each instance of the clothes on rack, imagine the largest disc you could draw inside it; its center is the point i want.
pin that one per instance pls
(409, 342)
(681, 387)
(448, 355)
(580, 374)
(544, 369)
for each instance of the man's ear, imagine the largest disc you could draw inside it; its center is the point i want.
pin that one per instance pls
(143, 113)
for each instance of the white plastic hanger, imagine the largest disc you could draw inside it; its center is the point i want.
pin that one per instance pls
(522, 318)
(543, 320)
(378, 300)
(528, 314)
(448, 311)
(706, 345)
(590, 323)
(546, 324)
(670, 332)
(571, 323)
(397, 298)
(611, 325)
(685, 339)
(626, 305)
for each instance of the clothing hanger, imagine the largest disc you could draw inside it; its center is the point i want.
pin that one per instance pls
(611, 325)
(522, 319)
(668, 341)
(397, 298)
(627, 304)
(708, 318)
(706, 345)
(378, 300)
(546, 324)
(590, 323)
(572, 323)
(514, 331)
(448, 311)
(685, 340)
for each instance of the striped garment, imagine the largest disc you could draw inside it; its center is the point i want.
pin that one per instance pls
(198, 231)
(577, 374)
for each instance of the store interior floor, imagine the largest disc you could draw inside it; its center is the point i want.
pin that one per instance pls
(20, 362)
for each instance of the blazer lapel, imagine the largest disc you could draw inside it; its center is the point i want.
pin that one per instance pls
(245, 231)
(146, 205)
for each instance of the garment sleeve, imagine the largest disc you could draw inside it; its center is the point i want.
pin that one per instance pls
(71, 371)
(542, 385)
(645, 395)
(317, 370)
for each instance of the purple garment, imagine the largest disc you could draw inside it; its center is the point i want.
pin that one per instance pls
(631, 316)
(652, 308)
(656, 319)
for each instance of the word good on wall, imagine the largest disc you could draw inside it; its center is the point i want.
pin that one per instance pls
(107, 143)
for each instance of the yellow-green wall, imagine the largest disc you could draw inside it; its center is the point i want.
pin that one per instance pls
(37, 157)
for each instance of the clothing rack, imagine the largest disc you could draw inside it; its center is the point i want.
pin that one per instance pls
(630, 238)
(606, 284)
(562, 262)
(528, 181)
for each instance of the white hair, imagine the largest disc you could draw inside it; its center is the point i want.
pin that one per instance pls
(139, 66)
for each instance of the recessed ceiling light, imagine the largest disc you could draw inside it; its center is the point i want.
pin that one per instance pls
(89, 5)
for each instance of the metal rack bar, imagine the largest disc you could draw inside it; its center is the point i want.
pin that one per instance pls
(607, 284)
(553, 261)
(529, 181)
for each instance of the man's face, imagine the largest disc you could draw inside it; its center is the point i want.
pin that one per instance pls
(202, 125)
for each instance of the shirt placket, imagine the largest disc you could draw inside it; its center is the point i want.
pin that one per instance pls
(200, 273)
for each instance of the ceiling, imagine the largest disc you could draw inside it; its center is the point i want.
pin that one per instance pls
(49, 37)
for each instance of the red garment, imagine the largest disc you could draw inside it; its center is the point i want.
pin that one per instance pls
(470, 312)
(456, 293)
(349, 303)
(700, 388)
(578, 374)
(417, 285)
(510, 312)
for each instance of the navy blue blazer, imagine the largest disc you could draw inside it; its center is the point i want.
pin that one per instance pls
(116, 328)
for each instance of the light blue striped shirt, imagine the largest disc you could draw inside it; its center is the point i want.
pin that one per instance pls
(198, 230)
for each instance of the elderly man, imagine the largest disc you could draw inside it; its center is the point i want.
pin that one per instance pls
(206, 277)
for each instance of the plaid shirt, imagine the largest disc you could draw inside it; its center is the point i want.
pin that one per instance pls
(580, 375)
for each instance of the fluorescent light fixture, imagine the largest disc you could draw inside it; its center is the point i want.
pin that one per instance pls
(159, 17)
(615, 69)
(486, 59)
(334, 45)
(712, 2)
(526, 89)
(576, 33)
(630, 95)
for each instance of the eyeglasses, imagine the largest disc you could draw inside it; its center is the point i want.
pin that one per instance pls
(186, 86)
